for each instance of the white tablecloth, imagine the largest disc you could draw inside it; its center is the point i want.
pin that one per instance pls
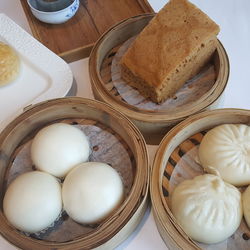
(234, 19)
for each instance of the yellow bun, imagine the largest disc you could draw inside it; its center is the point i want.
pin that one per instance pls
(9, 64)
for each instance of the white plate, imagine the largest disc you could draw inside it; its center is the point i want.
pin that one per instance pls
(43, 74)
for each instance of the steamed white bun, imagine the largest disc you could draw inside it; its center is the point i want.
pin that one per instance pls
(208, 209)
(246, 205)
(33, 201)
(226, 149)
(91, 191)
(57, 148)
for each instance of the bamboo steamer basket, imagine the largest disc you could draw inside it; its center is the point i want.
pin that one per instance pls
(152, 123)
(118, 133)
(172, 163)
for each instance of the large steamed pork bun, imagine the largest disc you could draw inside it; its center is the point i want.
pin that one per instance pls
(208, 209)
(225, 149)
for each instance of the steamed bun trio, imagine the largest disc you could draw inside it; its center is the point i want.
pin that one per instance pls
(210, 207)
(89, 192)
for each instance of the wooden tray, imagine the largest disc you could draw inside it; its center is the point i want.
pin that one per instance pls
(74, 39)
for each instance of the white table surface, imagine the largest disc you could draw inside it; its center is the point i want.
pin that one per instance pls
(234, 20)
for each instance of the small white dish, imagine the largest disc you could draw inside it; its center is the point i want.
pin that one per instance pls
(43, 75)
(54, 17)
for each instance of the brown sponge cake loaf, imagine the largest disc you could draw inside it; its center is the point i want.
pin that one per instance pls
(171, 49)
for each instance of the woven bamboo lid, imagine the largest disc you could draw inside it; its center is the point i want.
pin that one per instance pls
(202, 92)
(113, 139)
(175, 161)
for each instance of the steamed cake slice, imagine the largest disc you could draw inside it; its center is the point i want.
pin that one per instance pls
(171, 49)
(9, 64)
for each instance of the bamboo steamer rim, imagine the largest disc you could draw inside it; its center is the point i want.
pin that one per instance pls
(151, 116)
(136, 199)
(165, 221)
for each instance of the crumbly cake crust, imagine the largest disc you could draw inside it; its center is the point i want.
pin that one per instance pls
(173, 47)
